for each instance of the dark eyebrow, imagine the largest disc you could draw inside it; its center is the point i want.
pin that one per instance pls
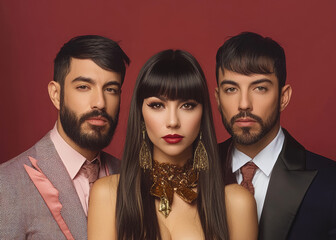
(162, 98)
(263, 80)
(112, 83)
(82, 79)
(91, 81)
(228, 82)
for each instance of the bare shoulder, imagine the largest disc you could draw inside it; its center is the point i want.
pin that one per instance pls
(236, 195)
(104, 190)
(111, 180)
(102, 203)
(106, 184)
(241, 213)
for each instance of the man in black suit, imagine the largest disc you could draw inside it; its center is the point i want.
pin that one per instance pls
(295, 189)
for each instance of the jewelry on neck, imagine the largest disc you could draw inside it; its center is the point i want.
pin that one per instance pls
(169, 178)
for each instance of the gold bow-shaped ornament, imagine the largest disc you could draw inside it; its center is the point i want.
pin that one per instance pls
(169, 178)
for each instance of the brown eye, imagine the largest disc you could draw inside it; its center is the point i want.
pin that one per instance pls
(230, 90)
(155, 105)
(82, 87)
(189, 105)
(261, 89)
(113, 90)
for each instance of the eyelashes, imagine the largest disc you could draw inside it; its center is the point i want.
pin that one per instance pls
(155, 105)
(189, 105)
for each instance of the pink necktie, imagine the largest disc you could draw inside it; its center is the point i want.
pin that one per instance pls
(91, 171)
(248, 171)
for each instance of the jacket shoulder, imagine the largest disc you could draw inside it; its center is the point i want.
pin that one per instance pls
(18, 161)
(112, 162)
(316, 161)
(223, 148)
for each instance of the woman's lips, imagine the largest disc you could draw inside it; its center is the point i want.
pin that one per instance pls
(173, 138)
(245, 122)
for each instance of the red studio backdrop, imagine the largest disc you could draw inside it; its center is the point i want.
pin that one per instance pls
(32, 32)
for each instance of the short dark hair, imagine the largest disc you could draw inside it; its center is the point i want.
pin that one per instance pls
(249, 53)
(105, 52)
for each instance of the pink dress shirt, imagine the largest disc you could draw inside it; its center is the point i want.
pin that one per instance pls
(73, 161)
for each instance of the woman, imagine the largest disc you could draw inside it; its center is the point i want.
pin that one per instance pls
(170, 185)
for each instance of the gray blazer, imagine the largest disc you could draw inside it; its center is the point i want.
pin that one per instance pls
(23, 212)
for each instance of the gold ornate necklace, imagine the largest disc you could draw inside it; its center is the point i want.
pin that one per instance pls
(169, 178)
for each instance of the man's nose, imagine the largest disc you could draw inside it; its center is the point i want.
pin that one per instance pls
(245, 103)
(98, 100)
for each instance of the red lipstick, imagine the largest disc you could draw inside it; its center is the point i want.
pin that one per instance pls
(173, 138)
(245, 122)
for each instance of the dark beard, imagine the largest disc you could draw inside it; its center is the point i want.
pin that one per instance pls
(92, 141)
(247, 138)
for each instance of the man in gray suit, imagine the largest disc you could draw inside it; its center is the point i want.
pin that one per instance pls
(44, 191)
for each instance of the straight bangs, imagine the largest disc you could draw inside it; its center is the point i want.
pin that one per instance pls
(174, 79)
(248, 64)
(250, 53)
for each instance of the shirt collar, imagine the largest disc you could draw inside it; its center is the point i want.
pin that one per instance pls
(265, 159)
(71, 159)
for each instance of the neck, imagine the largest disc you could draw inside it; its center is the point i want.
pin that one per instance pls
(88, 154)
(179, 159)
(253, 149)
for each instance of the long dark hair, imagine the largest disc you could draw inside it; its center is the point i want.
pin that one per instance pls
(174, 75)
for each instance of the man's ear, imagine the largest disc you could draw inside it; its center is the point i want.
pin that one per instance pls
(217, 98)
(54, 90)
(286, 93)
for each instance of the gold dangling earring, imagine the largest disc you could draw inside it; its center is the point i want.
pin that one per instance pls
(201, 161)
(145, 155)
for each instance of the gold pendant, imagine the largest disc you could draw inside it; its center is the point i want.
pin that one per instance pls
(164, 207)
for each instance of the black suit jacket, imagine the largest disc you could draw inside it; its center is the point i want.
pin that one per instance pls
(300, 201)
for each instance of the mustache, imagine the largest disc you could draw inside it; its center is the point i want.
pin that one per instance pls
(95, 113)
(245, 114)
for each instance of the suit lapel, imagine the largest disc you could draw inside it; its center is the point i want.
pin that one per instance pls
(287, 187)
(53, 168)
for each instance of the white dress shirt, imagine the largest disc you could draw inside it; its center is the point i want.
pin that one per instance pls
(265, 161)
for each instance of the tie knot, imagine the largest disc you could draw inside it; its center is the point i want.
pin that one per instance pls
(91, 171)
(248, 171)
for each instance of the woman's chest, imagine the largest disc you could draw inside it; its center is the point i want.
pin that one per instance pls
(183, 222)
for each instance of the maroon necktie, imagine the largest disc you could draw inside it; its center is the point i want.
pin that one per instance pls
(91, 171)
(248, 171)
